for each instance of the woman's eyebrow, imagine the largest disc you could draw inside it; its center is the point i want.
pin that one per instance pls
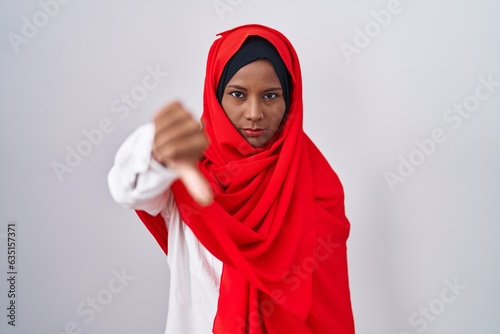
(272, 89)
(236, 86)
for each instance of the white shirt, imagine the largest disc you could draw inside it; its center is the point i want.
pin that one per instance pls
(139, 182)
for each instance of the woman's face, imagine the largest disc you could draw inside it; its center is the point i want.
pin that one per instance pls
(253, 101)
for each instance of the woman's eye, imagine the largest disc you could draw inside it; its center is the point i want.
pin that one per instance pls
(237, 94)
(270, 96)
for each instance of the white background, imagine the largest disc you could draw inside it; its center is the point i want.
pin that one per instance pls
(364, 111)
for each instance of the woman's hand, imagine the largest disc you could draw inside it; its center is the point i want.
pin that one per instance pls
(178, 144)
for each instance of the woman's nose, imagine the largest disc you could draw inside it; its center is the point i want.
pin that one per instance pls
(253, 111)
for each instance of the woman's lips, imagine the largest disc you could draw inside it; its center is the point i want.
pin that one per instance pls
(250, 132)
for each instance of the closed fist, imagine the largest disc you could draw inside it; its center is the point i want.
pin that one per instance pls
(178, 144)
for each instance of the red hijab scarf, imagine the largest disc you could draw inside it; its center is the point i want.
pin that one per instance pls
(277, 221)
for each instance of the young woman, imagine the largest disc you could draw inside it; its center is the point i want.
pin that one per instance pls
(248, 210)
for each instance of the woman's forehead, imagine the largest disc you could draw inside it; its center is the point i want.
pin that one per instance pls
(257, 73)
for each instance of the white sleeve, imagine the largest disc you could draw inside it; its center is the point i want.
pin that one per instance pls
(136, 180)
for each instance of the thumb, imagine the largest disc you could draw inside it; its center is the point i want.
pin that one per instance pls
(195, 183)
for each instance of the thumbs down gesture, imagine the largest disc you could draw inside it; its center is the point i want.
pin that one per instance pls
(179, 143)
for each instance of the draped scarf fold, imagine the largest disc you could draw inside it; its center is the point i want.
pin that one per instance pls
(277, 222)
